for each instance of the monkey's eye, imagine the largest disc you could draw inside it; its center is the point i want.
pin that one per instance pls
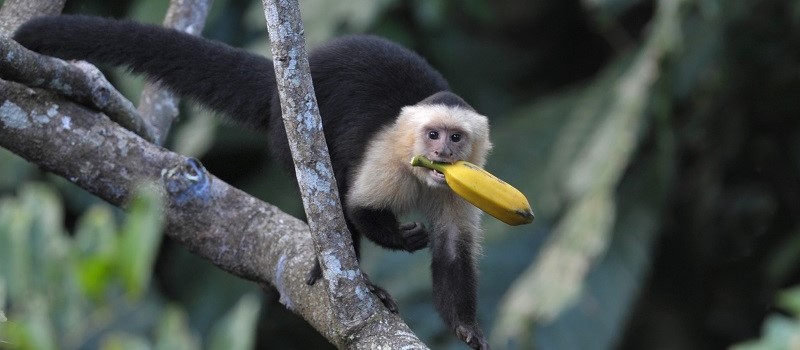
(455, 137)
(433, 135)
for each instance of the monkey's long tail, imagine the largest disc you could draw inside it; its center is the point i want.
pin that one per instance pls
(229, 80)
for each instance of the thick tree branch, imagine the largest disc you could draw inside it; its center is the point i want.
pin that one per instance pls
(236, 232)
(79, 81)
(233, 230)
(15, 12)
(157, 105)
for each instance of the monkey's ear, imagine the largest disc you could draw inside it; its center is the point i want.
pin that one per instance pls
(446, 98)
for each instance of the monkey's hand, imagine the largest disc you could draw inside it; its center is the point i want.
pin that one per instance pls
(415, 236)
(473, 336)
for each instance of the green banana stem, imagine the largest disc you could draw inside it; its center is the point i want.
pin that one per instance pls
(427, 163)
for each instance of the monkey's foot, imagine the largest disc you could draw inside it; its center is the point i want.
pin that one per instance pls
(415, 236)
(382, 294)
(473, 336)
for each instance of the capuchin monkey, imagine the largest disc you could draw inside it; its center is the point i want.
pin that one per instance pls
(380, 104)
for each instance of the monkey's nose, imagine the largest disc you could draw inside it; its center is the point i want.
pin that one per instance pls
(442, 156)
(447, 153)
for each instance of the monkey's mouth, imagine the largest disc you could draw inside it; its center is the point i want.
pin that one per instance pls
(437, 175)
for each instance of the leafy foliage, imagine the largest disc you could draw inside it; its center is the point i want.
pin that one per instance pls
(92, 290)
(780, 331)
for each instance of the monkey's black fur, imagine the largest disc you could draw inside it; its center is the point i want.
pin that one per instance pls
(361, 84)
(361, 76)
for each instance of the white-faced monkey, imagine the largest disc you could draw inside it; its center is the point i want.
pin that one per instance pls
(380, 104)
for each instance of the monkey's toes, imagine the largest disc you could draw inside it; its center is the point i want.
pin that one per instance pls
(383, 295)
(472, 336)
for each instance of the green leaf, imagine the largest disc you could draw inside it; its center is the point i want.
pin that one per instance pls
(790, 300)
(236, 330)
(31, 328)
(779, 332)
(46, 242)
(784, 259)
(32, 239)
(15, 224)
(13, 170)
(95, 248)
(172, 332)
(124, 341)
(139, 239)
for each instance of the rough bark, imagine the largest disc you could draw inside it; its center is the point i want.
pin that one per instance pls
(312, 163)
(79, 81)
(15, 12)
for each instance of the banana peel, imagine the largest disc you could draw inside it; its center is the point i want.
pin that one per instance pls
(483, 190)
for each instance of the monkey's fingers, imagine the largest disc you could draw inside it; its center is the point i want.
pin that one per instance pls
(415, 236)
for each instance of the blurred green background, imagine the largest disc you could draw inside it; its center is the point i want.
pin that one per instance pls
(658, 143)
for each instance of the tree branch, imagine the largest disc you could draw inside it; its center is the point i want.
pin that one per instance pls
(15, 12)
(79, 81)
(312, 164)
(356, 309)
(157, 105)
(236, 232)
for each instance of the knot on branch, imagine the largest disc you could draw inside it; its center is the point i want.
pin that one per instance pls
(187, 182)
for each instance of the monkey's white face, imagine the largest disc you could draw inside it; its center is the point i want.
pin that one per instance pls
(443, 144)
(443, 134)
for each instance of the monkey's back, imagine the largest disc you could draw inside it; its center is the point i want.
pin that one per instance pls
(361, 83)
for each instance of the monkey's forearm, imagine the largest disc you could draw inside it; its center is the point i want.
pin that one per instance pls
(381, 227)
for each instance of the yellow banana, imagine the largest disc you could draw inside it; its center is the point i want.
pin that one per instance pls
(483, 190)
